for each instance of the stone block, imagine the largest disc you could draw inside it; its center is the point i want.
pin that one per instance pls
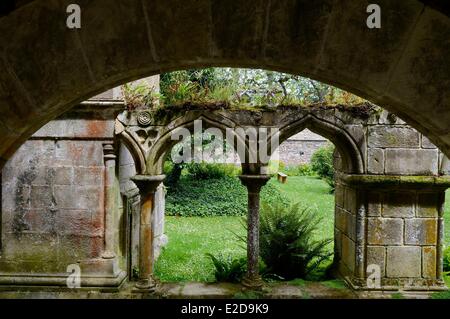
(337, 244)
(41, 197)
(350, 202)
(376, 255)
(429, 262)
(393, 137)
(398, 204)
(15, 195)
(339, 195)
(385, 231)
(420, 231)
(340, 219)
(411, 162)
(90, 197)
(66, 197)
(426, 143)
(84, 176)
(373, 204)
(76, 222)
(41, 220)
(348, 252)
(375, 161)
(350, 226)
(41, 248)
(427, 205)
(403, 262)
(78, 247)
(64, 175)
(79, 153)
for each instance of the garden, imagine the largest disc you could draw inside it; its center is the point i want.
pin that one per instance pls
(205, 222)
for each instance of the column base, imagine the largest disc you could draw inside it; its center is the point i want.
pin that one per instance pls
(148, 285)
(398, 284)
(253, 282)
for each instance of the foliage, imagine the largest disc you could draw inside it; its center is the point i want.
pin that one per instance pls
(447, 259)
(248, 87)
(322, 164)
(216, 197)
(299, 170)
(228, 269)
(286, 241)
(275, 166)
(204, 171)
(139, 94)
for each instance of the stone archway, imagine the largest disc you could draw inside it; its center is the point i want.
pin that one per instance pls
(388, 213)
(46, 68)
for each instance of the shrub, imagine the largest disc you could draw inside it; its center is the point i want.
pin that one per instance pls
(228, 269)
(447, 259)
(275, 166)
(299, 170)
(286, 241)
(215, 197)
(202, 171)
(322, 163)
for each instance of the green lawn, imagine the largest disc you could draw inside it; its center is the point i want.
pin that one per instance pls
(190, 238)
(314, 194)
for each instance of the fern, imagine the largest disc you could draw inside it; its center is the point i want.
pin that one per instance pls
(286, 241)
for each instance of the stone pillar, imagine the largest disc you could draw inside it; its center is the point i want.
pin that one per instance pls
(147, 185)
(391, 226)
(110, 199)
(254, 183)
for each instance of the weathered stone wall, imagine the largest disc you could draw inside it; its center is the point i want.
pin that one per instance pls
(403, 232)
(345, 228)
(396, 148)
(53, 198)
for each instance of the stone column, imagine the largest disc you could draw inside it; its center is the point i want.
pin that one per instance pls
(110, 194)
(147, 185)
(254, 183)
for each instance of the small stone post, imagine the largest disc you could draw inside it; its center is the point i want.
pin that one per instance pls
(254, 183)
(110, 200)
(147, 185)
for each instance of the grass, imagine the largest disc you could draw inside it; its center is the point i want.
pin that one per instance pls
(313, 193)
(190, 238)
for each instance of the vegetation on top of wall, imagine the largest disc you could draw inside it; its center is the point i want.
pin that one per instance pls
(240, 88)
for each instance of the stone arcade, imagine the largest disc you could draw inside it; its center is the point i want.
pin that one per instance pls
(87, 189)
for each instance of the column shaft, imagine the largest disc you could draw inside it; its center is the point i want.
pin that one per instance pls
(147, 185)
(110, 199)
(254, 183)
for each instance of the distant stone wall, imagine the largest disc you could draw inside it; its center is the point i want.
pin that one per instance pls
(298, 149)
